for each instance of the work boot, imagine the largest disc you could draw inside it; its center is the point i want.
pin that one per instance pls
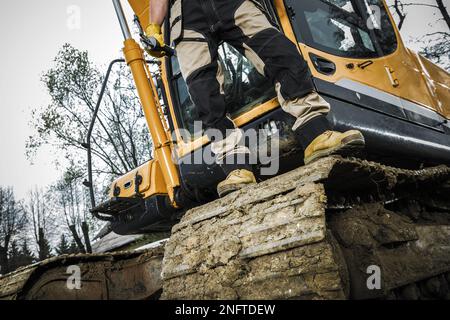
(235, 181)
(329, 143)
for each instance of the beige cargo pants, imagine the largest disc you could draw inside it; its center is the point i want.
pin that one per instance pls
(197, 29)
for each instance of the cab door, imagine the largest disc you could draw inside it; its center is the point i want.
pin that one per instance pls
(354, 45)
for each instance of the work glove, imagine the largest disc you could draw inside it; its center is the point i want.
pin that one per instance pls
(154, 31)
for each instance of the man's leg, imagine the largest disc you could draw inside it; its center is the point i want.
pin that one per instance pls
(276, 57)
(198, 56)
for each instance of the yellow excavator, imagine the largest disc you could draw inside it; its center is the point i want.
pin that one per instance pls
(399, 100)
(334, 229)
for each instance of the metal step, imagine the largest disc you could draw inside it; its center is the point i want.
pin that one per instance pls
(116, 205)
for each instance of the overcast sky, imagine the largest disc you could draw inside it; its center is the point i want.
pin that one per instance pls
(31, 33)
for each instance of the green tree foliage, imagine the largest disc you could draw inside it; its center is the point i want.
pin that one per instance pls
(73, 247)
(26, 255)
(20, 257)
(120, 139)
(45, 250)
(13, 256)
(63, 246)
(66, 247)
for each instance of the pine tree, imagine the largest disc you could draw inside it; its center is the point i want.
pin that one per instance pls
(20, 257)
(45, 251)
(26, 255)
(63, 246)
(13, 257)
(74, 247)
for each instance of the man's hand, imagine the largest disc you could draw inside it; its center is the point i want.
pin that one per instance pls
(154, 31)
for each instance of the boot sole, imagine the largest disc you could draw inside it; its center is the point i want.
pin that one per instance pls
(352, 146)
(226, 190)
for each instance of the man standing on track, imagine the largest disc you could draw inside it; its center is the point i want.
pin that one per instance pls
(197, 27)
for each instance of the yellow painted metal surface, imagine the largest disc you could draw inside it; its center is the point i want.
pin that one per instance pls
(438, 81)
(141, 9)
(152, 181)
(134, 56)
(186, 147)
(405, 66)
(416, 82)
(284, 20)
(403, 74)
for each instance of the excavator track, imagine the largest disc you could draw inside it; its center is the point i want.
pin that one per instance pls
(323, 231)
(133, 275)
(334, 229)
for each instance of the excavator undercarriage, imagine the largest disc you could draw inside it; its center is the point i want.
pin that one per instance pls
(335, 229)
(318, 232)
(108, 276)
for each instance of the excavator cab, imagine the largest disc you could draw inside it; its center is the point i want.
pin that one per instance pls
(359, 65)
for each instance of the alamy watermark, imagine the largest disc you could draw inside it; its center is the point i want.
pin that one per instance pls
(374, 20)
(73, 21)
(249, 147)
(74, 279)
(374, 280)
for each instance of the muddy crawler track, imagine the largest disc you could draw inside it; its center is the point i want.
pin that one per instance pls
(313, 233)
(423, 213)
(121, 275)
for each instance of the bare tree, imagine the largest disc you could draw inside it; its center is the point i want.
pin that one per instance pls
(12, 222)
(42, 221)
(435, 4)
(71, 199)
(120, 141)
(435, 45)
(399, 10)
(444, 11)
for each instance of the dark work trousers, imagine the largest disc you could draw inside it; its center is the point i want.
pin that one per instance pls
(197, 29)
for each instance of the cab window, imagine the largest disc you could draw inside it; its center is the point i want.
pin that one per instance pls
(348, 28)
(245, 88)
